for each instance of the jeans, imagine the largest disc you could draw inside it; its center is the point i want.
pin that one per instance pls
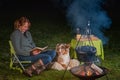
(46, 57)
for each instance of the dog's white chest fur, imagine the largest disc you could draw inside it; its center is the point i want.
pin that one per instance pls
(64, 58)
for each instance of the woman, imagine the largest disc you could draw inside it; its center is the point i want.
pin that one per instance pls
(23, 44)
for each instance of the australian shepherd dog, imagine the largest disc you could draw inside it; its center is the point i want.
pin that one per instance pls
(63, 60)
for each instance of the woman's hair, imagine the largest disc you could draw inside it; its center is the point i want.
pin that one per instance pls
(20, 22)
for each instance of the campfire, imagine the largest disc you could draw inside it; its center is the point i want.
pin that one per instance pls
(89, 71)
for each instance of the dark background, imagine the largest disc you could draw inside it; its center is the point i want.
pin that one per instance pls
(47, 7)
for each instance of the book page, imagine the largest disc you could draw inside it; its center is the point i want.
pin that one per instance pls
(39, 48)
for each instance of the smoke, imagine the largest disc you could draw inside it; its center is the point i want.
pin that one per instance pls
(78, 12)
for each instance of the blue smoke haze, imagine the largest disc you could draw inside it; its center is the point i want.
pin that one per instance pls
(78, 13)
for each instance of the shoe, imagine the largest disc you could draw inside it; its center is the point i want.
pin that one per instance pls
(40, 69)
(48, 66)
(29, 71)
(38, 66)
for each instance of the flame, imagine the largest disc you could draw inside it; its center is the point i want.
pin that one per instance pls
(89, 73)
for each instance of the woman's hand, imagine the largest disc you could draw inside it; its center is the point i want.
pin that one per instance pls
(35, 52)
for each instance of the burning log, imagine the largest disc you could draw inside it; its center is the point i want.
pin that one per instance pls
(89, 70)
(96, 68)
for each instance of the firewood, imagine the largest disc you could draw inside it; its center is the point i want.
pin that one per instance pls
(96, 68)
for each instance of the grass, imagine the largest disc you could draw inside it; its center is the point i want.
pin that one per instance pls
(50, 31)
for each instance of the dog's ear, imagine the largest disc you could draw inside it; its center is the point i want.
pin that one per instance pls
(67, 45)
(57, 45)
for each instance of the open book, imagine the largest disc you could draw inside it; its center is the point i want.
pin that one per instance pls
(39, 49)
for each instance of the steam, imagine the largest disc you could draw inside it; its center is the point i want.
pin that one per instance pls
(78, 12)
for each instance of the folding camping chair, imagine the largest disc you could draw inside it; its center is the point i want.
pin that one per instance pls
(15, 63)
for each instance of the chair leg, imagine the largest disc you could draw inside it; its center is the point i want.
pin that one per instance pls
(11, 64)
(15, 67)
